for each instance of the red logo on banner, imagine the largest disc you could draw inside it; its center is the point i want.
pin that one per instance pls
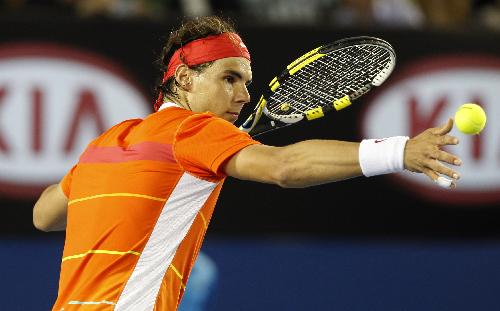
(53, 101)
(426, 94)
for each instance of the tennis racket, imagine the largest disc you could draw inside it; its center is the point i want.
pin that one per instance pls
(323, 80)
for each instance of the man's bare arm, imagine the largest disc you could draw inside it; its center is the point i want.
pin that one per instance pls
(314, 162)
(303, 164)
(49, 213)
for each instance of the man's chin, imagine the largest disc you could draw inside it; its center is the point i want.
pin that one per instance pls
(231, 117)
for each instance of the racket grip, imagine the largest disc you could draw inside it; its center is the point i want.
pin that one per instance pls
(247, 126)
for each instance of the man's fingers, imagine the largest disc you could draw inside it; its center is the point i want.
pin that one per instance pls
(430, 173)
(439, 180)
(445, 182)
(447, 140)
(444, 129)
(444, 156)
(440, 169)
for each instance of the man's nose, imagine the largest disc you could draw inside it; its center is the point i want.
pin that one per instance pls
(243, 95)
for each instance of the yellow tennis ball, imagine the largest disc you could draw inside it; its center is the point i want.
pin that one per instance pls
(470, 118)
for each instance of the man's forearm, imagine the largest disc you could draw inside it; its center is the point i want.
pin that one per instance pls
(315, 162)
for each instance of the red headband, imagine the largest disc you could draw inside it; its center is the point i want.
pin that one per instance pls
(204, 50)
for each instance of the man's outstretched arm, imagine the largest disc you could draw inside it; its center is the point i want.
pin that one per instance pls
(314, 162)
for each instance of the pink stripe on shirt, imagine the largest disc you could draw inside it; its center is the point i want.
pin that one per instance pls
(151, 151)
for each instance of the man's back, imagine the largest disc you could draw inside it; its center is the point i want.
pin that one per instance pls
(136, 214)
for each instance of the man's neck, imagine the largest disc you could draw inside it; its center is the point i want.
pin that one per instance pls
(175, 102)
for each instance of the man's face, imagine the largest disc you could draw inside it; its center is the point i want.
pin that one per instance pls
(221, 88)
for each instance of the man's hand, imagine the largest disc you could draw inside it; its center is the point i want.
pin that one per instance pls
(423, 153)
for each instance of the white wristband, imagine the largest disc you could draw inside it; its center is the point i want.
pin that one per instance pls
(382, 156)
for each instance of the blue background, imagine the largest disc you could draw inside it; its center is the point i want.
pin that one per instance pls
(299, 273)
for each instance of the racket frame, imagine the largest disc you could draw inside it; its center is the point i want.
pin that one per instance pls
(274, 121)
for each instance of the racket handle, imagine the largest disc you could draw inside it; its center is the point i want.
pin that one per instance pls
(249, 124)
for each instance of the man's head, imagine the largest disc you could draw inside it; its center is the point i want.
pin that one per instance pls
(206, 67)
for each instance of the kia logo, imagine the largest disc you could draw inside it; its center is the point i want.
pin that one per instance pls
(53, 101)
(424, 94)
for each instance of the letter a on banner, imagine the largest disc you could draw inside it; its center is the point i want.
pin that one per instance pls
(87, 107)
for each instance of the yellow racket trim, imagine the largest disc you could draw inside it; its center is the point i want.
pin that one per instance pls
(305, 63)
(272, 81)
(318, 111)
(298, 64)
(275, 84)
(314, 113)
(262, 103)
(300, 59)
(341, 103)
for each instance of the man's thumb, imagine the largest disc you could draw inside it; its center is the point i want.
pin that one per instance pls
(445, 128)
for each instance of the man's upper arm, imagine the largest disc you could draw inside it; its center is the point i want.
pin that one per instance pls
(257, 163)
(49, 213)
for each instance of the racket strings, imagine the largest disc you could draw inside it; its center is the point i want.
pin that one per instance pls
(347, 71)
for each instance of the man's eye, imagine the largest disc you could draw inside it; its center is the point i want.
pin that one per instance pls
(229, 79)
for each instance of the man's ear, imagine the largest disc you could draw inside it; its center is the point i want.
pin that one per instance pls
(183, 77)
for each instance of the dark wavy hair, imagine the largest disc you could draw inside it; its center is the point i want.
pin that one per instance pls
(190, 29)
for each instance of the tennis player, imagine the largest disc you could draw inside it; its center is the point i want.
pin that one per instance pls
(138, 203)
